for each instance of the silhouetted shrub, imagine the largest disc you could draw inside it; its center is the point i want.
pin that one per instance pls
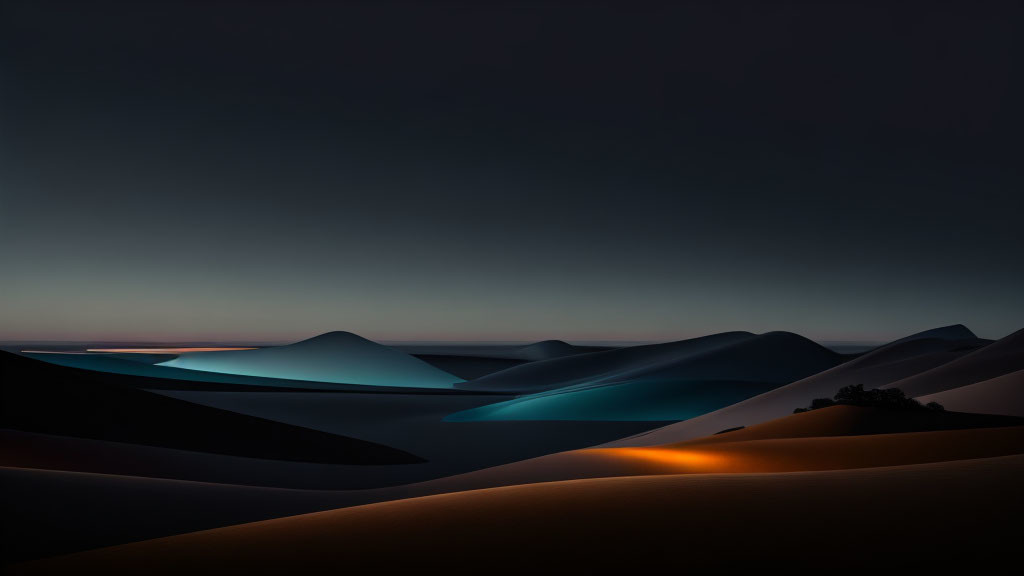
(856, 395)
(822, 403)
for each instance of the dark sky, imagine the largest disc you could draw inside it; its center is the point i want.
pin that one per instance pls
(509, 171)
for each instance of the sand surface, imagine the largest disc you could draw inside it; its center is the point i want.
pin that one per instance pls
(924, 516)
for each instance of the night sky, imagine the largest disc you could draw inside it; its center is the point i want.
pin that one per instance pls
(509, 171)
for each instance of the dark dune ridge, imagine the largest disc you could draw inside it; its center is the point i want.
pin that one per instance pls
(58, 512)
(771, 357)
(542, 350)
(339, 357)
(628, 524)
(476, 361)
(951, 332)
(672, 381)
(41, 397)
(906, 357)
(409, 422)
(1001, 357)
(554, 373)
(468, 367)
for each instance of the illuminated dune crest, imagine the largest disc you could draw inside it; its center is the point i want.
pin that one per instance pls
(339, 357)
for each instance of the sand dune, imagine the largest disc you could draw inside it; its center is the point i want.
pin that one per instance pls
(49, 399)
(53, 512)
(883, 365)
(339, 357)
(703, 523)
(468, 367)
(1001, 357)
(1001, 395)
(554, 373)
(841, 437)
(154, 376)
(672, 381)
(951, 332)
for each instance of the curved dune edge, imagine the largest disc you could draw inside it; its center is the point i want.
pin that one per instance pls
(625, 522)
(812, 441)
(877, 368)
(754, 456)
(1001, 395)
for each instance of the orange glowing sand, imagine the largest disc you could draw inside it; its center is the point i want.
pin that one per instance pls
(812, 441)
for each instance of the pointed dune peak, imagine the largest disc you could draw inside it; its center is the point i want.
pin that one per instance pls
(339, 357)
(337, 337)
(952, 332)
(546, 349)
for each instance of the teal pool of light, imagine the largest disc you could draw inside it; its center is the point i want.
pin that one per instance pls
(636, 400)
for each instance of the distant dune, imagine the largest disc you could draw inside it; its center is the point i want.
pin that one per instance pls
(1001, 357)
(599, 366)
(671, 381)
(545, 350)
(942, 516)
(951, 332)
(339, 357)
(889, 363)
(1000, 395)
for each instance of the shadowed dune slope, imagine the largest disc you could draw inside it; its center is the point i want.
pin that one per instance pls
(599, 366)
(468, 367)
(794, 521)
(881, 366)
(858, 421)
(661, 400)
(52, 512)
(1001, 395)
(1001, 357)
(339, 357)
(676, 381)
(50, 399)
(546, 349)
(951, 332)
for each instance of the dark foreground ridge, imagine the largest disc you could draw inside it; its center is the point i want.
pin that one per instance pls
(41, 397)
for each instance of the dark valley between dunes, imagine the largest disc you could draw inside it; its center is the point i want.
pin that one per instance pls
(137, 460)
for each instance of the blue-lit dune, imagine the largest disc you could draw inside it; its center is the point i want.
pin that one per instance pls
(115, 364)
(688, 379)
(339, 357)
(641, 400)
(598, 367)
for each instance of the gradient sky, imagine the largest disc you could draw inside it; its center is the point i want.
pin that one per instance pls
(509, 171)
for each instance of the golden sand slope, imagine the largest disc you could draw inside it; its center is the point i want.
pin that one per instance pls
(800, 442)
(924, 516)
